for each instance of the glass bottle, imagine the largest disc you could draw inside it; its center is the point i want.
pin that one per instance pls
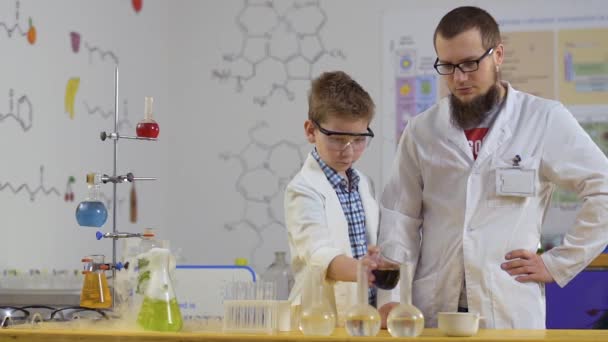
(92, 212)
(279, 272)
(405, 320)
(362, 319)
(147, 128)
(159, 310)
(95, 291)
(317, 316)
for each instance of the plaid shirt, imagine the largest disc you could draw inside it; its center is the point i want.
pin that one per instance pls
(352, 206)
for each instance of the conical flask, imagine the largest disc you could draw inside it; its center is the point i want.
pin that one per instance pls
(362, 319)
(95, 291)
(317, 316)
(405, 320)
(159, 310)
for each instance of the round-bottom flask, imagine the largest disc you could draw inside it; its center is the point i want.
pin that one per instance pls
(317, 321)
(317, 317)
(147, 128)
(405, 320)
(362, 319)
(92, 212)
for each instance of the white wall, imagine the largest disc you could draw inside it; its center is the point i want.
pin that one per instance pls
(43, 233)
(217, 119)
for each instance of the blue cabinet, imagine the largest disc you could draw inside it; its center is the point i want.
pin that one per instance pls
(582, 304)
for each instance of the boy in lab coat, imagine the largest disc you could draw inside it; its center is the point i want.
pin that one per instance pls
(330, 211)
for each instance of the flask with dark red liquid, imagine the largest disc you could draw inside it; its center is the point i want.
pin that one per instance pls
(392, 255)
(148, 128)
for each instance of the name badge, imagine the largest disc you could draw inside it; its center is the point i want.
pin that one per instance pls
(515, 181)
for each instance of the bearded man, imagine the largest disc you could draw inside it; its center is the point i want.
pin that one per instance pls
(472, 182)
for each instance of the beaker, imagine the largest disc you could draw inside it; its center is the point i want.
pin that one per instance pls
(95, 291)
(159, 310)
(362, 319)
(92, 212)
(317, 316)
(391, 255)
(405, 320)
(147, 128)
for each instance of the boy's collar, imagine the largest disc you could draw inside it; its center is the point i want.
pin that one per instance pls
(334, 178)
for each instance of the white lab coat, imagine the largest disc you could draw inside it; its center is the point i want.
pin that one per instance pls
(318, 231)
(443, 203)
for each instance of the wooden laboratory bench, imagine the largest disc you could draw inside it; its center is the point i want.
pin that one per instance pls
(600, 262)
(339, 335)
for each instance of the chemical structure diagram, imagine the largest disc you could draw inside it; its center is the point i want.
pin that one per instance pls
(33, 192)
(29, 34)
(75, 39)
(24, 111)
(284, 43)
(266, 168)
(101, 53)
(122, 122)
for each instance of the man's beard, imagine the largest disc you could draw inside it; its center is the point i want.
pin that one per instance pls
(467, 115)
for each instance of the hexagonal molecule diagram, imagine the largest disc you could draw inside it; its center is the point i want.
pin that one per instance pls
(266, 169)
(280, 44)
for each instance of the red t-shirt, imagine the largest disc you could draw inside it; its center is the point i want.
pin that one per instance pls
(475, 138)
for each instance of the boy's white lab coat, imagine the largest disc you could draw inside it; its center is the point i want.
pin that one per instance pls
(444, 205)
(318, 231)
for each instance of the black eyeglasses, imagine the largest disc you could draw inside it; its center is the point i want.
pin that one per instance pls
(339, 141)
(466, 66)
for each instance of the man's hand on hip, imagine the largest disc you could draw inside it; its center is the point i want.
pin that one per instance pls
(527, 266)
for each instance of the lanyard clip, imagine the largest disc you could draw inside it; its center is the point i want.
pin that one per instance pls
(516, 160)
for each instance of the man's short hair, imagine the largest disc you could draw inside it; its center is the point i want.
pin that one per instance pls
(462, 19)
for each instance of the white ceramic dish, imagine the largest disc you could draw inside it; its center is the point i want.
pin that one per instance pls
(458, 323)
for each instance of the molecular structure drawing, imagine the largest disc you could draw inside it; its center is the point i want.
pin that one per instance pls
(123, 120)
(104, 55)
(24, 111)
(266, 169)
(283, 43)
(33, 192)
(29, 34)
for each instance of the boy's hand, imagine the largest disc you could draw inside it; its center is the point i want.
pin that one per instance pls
(370, 260)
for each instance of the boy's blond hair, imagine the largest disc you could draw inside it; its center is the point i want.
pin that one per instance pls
(337, 94)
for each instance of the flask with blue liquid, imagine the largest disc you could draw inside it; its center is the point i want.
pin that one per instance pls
(92, 212)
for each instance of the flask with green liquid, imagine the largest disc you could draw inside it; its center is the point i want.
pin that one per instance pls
(159, 310)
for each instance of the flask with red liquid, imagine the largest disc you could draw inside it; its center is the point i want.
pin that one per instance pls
(148, 128)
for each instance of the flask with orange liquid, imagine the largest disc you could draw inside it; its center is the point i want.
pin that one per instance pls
(95, 291)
